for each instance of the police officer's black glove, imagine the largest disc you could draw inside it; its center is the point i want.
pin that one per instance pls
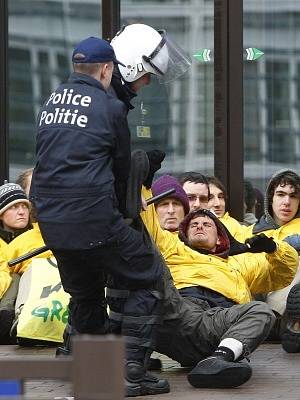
(261, 243)
(155, 157)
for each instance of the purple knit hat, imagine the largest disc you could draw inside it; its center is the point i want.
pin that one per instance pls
(167, 182)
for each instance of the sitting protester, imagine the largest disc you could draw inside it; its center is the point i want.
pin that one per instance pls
(172, 209)
(39, 293)
(24, 242)
(281, 220)
(209, 340)
(211, 272)
(14, 220)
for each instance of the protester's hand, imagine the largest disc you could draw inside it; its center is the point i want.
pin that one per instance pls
(155, 157)
(294, 241)
(261, 243)
(144, 203)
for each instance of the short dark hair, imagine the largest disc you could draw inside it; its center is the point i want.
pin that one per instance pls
(283, 178)
(249, 196)
(195, 177)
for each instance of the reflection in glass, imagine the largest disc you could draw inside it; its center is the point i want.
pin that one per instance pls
(271, 88)
(179, 115)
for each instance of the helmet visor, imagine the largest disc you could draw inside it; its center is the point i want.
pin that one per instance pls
(168, 60)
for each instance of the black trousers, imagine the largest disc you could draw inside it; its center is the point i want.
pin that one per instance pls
(133, 266)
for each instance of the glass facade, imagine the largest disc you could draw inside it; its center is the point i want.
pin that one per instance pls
(42, 35)
(177, 117)
(179, 114)
(271, 88)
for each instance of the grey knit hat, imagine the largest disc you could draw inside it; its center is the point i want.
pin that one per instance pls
(10, 194)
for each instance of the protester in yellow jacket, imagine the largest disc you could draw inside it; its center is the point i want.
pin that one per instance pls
(281, 220)
(14, 220)
(236, 278)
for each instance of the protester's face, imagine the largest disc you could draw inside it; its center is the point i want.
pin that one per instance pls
(170, 213)
(216, 201)
(197, 194)
(202, 233)
(285, 204)
(15, 217)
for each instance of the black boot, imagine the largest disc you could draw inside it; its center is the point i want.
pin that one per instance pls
(291, 336)
(65, 349)
(138, 382)
(215, 372)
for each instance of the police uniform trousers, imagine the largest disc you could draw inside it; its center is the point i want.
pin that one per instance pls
(134, 273)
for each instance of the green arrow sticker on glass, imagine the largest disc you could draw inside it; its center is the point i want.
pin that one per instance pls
(253, 53)
(203, 55)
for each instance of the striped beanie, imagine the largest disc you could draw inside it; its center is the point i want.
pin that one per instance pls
(10, 194)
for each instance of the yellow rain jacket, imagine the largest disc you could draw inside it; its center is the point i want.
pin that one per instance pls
(237, 230)
(290, 228)
(27, 241)
(3, 245)
(5, 278)
(236, 277)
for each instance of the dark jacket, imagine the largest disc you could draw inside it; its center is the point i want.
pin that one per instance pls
(8, 237)
(78, 163)
(119, 100)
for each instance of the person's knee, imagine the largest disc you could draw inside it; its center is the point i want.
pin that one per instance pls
(90, 316)
(262, 309)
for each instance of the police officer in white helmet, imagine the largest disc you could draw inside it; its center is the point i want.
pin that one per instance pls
(145, 52)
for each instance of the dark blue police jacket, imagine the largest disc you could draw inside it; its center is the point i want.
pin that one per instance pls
(73, 184)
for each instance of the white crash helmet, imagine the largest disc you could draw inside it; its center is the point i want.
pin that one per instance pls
(145, 50)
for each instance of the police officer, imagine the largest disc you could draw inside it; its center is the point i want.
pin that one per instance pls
(73, 190)
(146, 52)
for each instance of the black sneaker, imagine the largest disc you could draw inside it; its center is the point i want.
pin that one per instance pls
(141, 383)
(215, 372)
(291, 336)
